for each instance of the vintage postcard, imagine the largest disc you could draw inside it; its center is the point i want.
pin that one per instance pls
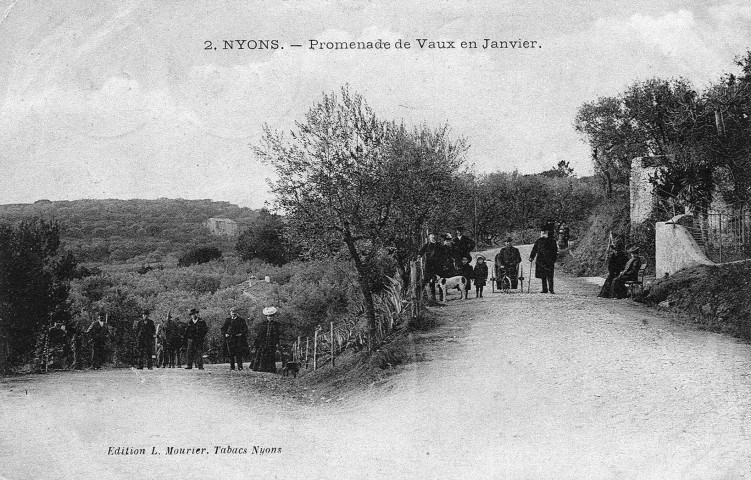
(245, 190)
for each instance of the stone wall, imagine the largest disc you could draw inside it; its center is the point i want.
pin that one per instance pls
(642, 199)
(675, 247)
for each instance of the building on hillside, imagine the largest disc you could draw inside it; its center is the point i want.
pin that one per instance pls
(222, 226)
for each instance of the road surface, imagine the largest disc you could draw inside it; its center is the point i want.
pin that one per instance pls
(510, 386)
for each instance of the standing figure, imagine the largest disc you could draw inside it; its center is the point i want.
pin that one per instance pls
(629, 273)
(545, 251)
(462, 246)
(265, 343)
(436, 257)
(172, 342)
(616, 263)
(196, 333)
(97, 332)
(145, 331)
(507, 262)
(480, 275)
(236, 337)
(466, 271)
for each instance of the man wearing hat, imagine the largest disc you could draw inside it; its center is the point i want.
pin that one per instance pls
(507, 260)
(545, 253)
(145, 331)
(462, 246)
(629, 273)
(196, 334)
(236, 338)
(266, 342)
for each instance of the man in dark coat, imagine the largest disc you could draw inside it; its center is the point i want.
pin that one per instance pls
(630, 273)
(265, 343)
(172, 342)
(236, 336)
(145, 332)
(545, 251)
(97, 332)
(196, 333)
(436, 257)
(507, 261)
(617, 259)
(462, 246)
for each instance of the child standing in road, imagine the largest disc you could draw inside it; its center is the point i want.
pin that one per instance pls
(480, 275)
(466, 271)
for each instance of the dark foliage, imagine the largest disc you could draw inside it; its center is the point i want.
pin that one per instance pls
(198, 256)
(34, 284)
(265, 240)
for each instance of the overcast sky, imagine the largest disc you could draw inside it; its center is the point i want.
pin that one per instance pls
(103, 99)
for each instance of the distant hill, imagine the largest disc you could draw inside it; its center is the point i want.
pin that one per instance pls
(133, 231)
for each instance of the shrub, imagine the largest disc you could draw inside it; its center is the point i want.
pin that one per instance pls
(199, 255)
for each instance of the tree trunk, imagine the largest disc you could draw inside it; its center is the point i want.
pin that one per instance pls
(367, 293)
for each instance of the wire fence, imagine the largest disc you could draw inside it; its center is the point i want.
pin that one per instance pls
(330, 341)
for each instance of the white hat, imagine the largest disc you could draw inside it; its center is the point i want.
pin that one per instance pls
(268, 311)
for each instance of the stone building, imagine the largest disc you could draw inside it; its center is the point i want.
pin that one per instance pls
(222, 226)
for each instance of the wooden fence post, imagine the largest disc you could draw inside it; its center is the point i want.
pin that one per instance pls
(307, 351)
(315, 346)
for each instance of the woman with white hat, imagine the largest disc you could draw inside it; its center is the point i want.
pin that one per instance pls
(265, 343)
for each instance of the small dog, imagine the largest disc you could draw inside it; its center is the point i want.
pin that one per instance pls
(446, 284)
(290, 367)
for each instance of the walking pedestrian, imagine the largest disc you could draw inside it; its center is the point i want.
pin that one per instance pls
(145, 332)
(507, 262)
(545, 253)
(265, 342)
(236, 339)
(480, 275)
(196, 333)
(97, 332)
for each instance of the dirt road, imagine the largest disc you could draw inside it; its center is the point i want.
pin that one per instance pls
(512, 386)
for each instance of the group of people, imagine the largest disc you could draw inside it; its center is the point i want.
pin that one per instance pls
(169, 341)
(452, 257)
(174, 336)
(449, 256)
(622, 267)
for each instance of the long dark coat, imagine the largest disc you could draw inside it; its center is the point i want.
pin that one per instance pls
(545, 253)
(265, 342)
(237, 342)
(145, 331)
(462, 248)
(481, 274)
(436, 258)
(510, 258)
(616, 263)
(196, 331)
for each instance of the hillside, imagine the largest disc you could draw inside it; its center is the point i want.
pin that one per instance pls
(133, 231)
